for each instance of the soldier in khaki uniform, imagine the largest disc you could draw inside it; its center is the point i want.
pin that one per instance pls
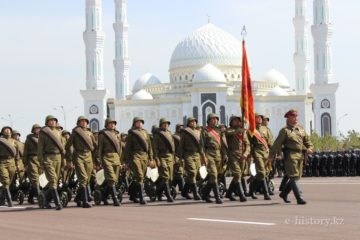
(109, 153)
(164, 151)
(191, 151)
(50, 154)
(137, 156)
(296, 144)
(67, 164)
(9, 156)
(84, 144)
(212, 140)
(20, 164)
(31, 161)
(238, 149)
(260, 143)
(178, 179)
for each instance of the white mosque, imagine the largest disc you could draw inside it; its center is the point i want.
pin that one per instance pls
(205, 77)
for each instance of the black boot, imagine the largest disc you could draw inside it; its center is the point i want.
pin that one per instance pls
(84, 198)
(244, 187)
(222, 179)
(105, 195)
(215, 188)
(266, 190)
(89, 193)
(56, 198)
(115, 199)
(267, 184)
(48, 198)
(296, 190)
(229, 192)
(253, 187)
(195, 192)
(181, 183)
(284, 180)
(31, 195)
(141, 193)
(168, 192)
(160, 189)
(286, 190)
(240, 191)
(205, 195)
(133, 191)
(185, 191)
(77, 198)
(7, 195)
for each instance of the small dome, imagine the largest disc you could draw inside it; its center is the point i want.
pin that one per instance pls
(146, 79)
(274, 75)
(142, 95)
(209, 75)
(277, 91)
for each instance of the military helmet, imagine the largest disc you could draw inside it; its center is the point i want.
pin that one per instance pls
(5, 127)
(15, 132)
(64, 132)
(179, 125)
(163, 120)
(82, 118)
(50, 117)
(138, 119)
(34, 127)
(58, 126)
(212, 115)
(259, 115)
(190, 119)
(232, 118)
(154, 128)
(266, 117)
(109, 120)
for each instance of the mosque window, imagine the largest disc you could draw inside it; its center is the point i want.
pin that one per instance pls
(238, 76)
(232, 76)
(186, 77)
(325, 124)
(94, 125)
(180, 78)
(225, 76)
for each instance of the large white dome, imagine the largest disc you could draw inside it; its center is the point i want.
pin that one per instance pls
(277, 92)
(208, 44)
(142, 95)
(209, 76)
(277, 77)
(146, 79)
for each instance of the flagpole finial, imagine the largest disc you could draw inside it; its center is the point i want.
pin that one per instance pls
(243, 32)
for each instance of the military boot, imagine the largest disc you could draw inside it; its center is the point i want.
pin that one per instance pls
(141, 193)
(77, 198)
(105, 195)
(31, 195)
(56, 198)
(89, 193)
(168, 192)
(205, 195)
(160, 186)
(84, 198)
(230, 191)
(284, 180)
(115, 199)
(296, 190)
(253, 187)
(285, 192)
(215, 188)
(266, 190)
(48, 197)
(195, 192)
(185, 191)
(244, 187)
(267, 184)
(7, 195)
(133, 192)
(238, 188)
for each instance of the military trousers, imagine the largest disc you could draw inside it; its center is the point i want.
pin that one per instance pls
(7, 171)
(52, 169)
(166, 169)
(214, 164)
(34, 171)
(138, 166)
(294, 167)
(237, 167)
(111, 165)
(192, 165)
(83, 167)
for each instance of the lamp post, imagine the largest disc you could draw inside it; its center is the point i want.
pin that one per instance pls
(63, 111)
(10, 119)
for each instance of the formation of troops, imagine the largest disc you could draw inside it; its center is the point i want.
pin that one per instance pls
(181, 159)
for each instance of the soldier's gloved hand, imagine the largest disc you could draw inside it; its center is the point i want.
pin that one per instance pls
(152, 164)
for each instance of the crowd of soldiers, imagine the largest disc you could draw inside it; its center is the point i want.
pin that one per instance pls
(178, 157)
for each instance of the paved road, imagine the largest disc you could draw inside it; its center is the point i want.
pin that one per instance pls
(332, 212)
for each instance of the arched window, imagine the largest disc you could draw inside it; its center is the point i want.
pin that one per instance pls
(195, 112)
(94, 125)
(222, 114)
(325, 124)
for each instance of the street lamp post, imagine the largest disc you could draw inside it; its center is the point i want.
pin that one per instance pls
(10, 120)
(64, 112)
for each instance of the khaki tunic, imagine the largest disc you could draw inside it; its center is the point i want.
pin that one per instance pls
(109, 156)
(31, 160)
(8, 163)
(138, 152)
(164, 154)
(237, 145)
(294, 141)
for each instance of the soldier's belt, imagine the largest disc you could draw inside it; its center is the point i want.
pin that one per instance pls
(32, 154)
(83, 151)
(52, 153)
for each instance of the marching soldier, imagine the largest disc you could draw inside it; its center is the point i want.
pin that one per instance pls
(67, 165)
(164, 150)
(20, 164)
(237, 151)
(296, 143)
(84, 144)
(31, 161)
(138, 155)
(260, 143)
(213, 155)
(50, 154)
(109, 153)
(9, 157)
(178, 179)
(192, 153)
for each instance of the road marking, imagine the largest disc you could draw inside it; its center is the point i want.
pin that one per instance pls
(231, 221)
(13, 207)
(328, 183)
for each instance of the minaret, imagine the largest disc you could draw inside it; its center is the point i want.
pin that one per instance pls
(95, 93)
(301, 58)
(323, 89)
(121, 61)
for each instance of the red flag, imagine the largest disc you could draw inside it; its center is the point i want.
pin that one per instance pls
(247, 99)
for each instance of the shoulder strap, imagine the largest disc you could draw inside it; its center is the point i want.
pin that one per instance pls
(139, 136)
(51, 135)
(111, 137)
(168, 139)
(11, 149)
(193, 134)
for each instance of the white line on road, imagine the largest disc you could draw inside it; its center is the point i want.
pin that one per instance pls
(13, 207)
(327, 183)
(231, 221)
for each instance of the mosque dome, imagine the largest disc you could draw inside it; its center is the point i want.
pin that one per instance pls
(277, 91)
(277, 77)
(209, 76)
(142, 95)
(207, 44)
(146, 79)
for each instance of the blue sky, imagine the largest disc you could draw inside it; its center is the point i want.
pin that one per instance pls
(42, 51)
